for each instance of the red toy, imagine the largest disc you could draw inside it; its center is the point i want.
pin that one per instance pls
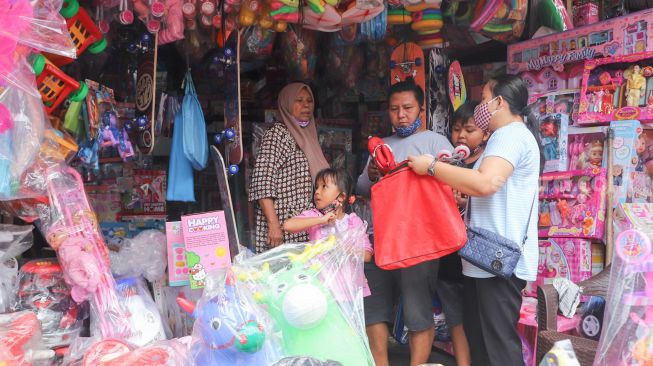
(382, 154)
(54, 85)
(19, 335)
(83, 31)
(117, 353)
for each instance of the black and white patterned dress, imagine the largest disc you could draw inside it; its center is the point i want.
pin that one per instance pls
(282, 174)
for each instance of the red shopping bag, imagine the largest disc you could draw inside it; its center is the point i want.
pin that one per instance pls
(416, 219)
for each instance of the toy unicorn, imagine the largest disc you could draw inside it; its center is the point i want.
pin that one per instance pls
(230, 333)
(311, 322)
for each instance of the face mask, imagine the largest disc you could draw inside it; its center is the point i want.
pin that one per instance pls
(301, 124)
(482, 115)
(332, 207)
(407, 131)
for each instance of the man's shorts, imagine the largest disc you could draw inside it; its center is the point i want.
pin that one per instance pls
(414, 286)
(451, 297)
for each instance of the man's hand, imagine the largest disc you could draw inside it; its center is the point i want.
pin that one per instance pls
(329, 218)
(373, 171)
(420, 164)
(461, 199)
(275, 234)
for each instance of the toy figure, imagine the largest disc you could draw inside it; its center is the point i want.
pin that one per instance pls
(545, 216)
(598, 101)
(549, 131)
(592, 157)
(230, 333)
(635, 85)
(565, 211)
(556, 220)
(640, 149)
(606, 103)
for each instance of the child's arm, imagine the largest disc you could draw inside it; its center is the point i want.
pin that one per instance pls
(368, 256)
(298, 224)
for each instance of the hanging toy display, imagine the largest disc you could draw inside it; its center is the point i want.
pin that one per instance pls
(501, 20)
(426, 21)
(126, 16)
(102, 24)
(54, 85)
(328, 20)
(398, 16)
(374, 29)
(83, 31)
(360, 14)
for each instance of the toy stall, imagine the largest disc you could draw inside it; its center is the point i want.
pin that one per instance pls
(129, 131)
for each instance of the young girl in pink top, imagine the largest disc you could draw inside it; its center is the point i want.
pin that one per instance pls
(331, 216)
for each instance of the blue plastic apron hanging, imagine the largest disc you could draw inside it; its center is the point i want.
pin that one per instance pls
(195, 141)
(180, 186)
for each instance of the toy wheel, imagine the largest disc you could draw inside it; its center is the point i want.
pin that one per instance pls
(38, 64)
(461, 151)
(230, 134)
(69, 8)
(418, 61)
(233, 169)
(591, 326)
(81, 93)
(633, 246)
(393, 64)
(98, 46)
(146, 139)
(444, 154)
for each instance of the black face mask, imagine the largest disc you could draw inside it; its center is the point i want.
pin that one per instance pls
(331, 207)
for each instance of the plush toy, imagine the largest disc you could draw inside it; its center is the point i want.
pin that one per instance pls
(305, 311)
(230, 332)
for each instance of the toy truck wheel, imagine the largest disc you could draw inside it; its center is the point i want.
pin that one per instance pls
(461, 151)
(230, 134)
(591, 326)
(418, 61)
(69, 8)
(81, 93)
(38, 63)
(98, 46)
(217, 138)
(444, 154)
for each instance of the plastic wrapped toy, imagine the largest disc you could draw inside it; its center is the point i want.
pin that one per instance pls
(627, 337)
(55, 86)
(20, 340)
(71, 228)
(42, 290)
(293, 282)
(117, 353)
(304, 361)
(501, 20)
(14, 240)
(144, 316)
(144, 255)
(229, 329)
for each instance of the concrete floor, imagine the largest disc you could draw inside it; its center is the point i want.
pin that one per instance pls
(400, 356)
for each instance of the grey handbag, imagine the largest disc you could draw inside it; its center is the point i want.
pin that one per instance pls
(490, 251)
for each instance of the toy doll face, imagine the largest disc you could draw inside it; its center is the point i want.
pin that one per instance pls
(596, 155)
(641, 144)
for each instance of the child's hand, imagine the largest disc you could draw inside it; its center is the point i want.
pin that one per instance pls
(461, 199)
(329, 218)
(368, 257)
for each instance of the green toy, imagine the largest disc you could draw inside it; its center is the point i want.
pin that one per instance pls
(304, 310)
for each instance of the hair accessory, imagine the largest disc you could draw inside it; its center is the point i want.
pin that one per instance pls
(352, 199)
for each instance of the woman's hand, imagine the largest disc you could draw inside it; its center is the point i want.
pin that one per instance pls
(275, 235)
(329, 218)
(420, 164)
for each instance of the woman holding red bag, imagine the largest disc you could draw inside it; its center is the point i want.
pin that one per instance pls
(503, 188)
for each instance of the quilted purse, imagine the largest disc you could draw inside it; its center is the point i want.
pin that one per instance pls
(492, 252)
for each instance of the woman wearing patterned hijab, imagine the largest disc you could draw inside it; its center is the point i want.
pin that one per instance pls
(286, 164)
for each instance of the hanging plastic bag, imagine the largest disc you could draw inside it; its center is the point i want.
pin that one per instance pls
(14, 240)
(180, 172)
(195, 141)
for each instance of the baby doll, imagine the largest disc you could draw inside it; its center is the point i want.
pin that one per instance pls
(592, 157)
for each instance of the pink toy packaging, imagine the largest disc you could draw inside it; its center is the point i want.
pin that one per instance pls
(553, 132)
(572, 204)
(628, 321)
(632, 180)
(177, 269)
(610, 39)
(562, 258)
(207, 245)
(617, 89)
(585, 13)
(586, 148)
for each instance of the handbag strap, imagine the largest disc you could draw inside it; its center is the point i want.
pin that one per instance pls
(528, 223)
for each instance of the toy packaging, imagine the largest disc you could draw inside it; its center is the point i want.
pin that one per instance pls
(20, 340)
(14, 240)
(143, 255)
(229, 328)
(565, 102)
(177, 268)
(207, 245)
(146, 195)
(632, 180)
(293, 284)
(587, 148)
(616, 89)
(612, 38)
(598, 258)
(143, 314)
(572, 204)
(553, 132)
(562, 258)
(628, 329)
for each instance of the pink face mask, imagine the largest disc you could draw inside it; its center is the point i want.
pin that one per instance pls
(483, 116)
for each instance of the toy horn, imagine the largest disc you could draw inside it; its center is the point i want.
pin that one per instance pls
(186, 305)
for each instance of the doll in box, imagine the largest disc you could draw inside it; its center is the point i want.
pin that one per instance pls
(549, 131)
(635, 85)
(592, 157)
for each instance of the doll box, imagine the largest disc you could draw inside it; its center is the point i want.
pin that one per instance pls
(553, 130)
(177, 268)
(611, 38)
(605, 94)
(562, 258)
(583, 144)
(572, 204)
(625, 161)
(634, 216)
